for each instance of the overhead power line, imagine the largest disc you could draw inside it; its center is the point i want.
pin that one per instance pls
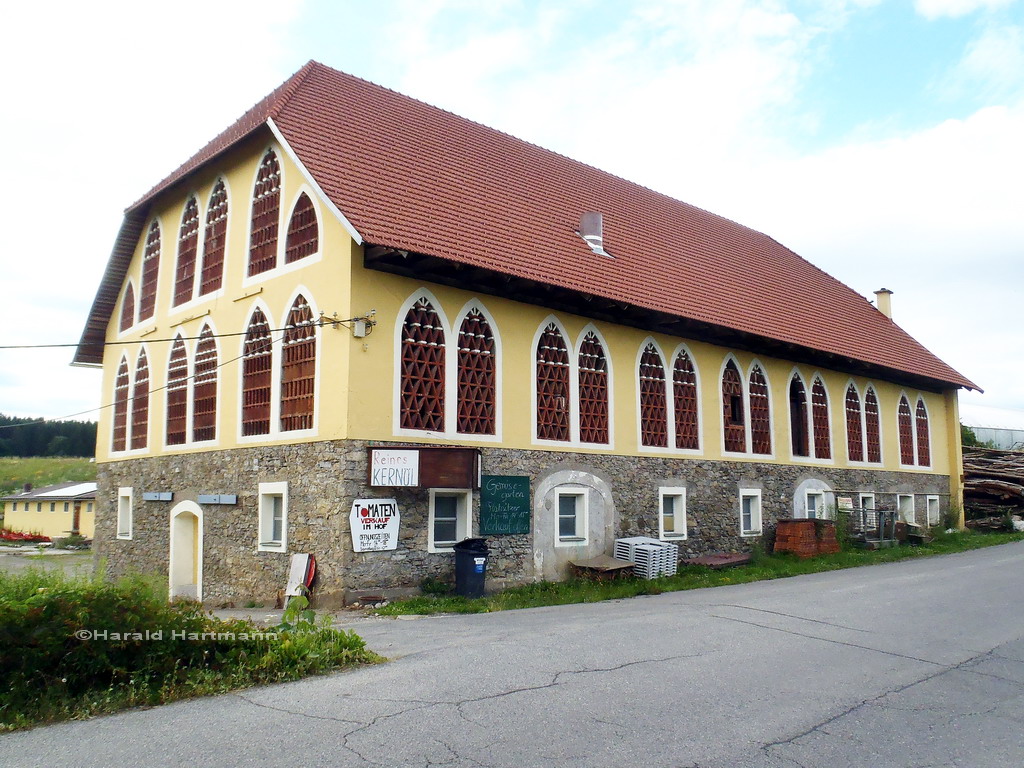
(324, 320)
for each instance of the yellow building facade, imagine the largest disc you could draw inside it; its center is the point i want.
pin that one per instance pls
(54, 511)
(268, 343)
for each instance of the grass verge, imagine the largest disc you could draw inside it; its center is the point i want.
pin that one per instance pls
(73, 647)
(775, 566)
(43, 470)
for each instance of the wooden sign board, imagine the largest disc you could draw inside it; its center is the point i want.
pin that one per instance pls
(424, 467)
(504, 504)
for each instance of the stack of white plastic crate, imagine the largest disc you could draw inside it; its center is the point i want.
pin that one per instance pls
(650, 557)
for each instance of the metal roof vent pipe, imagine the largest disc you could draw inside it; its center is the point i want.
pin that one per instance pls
(883, 300)
(592, 231)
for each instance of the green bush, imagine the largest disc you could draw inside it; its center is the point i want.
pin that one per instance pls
(73, 647)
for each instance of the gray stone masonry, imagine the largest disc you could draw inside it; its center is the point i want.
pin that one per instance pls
(325, 477)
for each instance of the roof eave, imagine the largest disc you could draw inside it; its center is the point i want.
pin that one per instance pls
(457, 274)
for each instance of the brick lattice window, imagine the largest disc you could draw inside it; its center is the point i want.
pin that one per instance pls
(422, 369)
(906, 427)
(188, 247)
(552, 385)
(476, 414)
(593, 391)
(177, 393)
(204, 388)
(684, 385)
(854, 434)
(150, 272)
(653, 399)
(735, 430)
(798, 417)
(872, 426)
(760, 413)
(924, 456)
(266, 213)
(819, 418)
(303, 234)
(214, 240)
(256, 369)
(128, 308)
(140, 404)
(119, 441)
(298, 367)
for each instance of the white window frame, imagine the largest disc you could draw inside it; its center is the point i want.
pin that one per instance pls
(819, 507)
(678, 496)
(582, 516)
(125, 513)
(899, 507)
(463, 517)
(860, 500)
(267, 493)
(932, 498)
(753, 493)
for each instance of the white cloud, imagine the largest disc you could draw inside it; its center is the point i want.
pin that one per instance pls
(103, 100)
(935, 9)
(700, 101)
(992, 66)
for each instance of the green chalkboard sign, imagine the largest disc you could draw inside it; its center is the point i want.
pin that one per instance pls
(504, 504)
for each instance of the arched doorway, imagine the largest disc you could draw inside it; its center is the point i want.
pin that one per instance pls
(185, 566)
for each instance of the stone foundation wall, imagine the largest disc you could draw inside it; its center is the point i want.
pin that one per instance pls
(325, 477)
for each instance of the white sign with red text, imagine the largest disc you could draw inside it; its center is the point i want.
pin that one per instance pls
(374, 524)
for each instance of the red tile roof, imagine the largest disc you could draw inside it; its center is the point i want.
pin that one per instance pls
(414, 177)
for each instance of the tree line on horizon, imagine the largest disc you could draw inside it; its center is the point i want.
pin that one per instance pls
(24, 437)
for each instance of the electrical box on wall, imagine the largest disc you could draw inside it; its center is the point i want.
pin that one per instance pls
(359, 329)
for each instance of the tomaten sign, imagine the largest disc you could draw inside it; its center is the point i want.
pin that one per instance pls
(374, 524)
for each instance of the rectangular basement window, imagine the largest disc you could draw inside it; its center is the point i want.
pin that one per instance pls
(571, 504)
(273, 511)
(750, 512)
(672, 505)
(124, 513)
(815, 506)
(933, 510)
(449, 521)
(905, 505)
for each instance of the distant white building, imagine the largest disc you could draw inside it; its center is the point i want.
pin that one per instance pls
(1002, 427)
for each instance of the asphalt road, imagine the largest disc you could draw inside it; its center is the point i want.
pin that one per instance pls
(910, 664)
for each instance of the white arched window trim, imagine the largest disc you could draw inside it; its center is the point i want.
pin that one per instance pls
(670, 381)
(574, 382)
(282, 221)
(756, 363)
(275, 375)
(745, 386)
(451, 392)
(574, 385)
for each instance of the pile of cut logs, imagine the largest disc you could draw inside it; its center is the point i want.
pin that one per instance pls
(993, 480)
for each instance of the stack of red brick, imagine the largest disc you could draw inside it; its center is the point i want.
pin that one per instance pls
(806, 538)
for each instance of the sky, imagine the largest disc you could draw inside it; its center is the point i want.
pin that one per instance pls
(883, 140)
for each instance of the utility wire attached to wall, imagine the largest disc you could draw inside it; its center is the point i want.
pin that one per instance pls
(333, 321)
